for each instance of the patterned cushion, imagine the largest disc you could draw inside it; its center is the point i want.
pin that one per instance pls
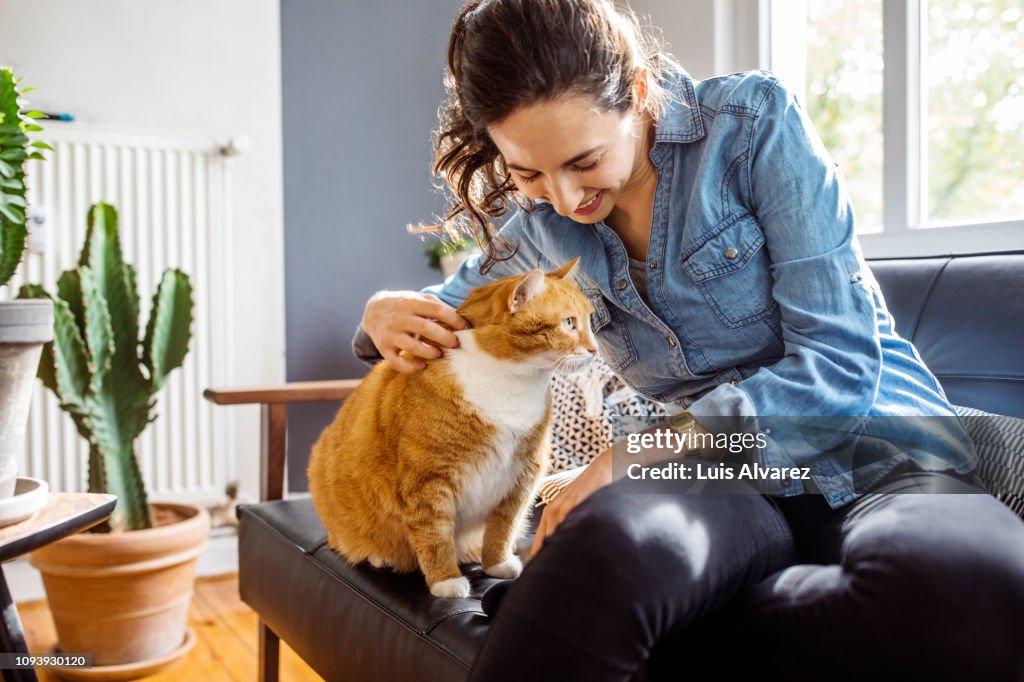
(999, 442)
(583, 424)
(584, 406)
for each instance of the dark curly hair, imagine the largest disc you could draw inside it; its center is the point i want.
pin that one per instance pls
(507, 54)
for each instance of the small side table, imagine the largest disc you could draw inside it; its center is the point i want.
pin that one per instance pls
(64, 514)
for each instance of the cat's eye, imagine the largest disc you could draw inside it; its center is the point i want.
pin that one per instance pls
(569, 324)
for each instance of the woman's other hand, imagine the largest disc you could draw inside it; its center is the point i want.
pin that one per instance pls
(405, 320)
(597, 475)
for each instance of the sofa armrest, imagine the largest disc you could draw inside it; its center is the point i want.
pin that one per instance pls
(273, 402)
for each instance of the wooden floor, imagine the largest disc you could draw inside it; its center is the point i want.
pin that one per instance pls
(225, 638)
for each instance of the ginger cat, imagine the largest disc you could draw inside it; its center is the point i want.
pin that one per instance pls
(437, 468)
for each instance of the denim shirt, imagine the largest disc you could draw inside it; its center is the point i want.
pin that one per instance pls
(759, 302)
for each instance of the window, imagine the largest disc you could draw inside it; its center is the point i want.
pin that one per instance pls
(974, 108)
(921, 102)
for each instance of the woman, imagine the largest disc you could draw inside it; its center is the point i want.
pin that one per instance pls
(717, 245)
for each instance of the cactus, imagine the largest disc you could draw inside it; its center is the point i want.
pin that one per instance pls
(15, 149)
(94, 366)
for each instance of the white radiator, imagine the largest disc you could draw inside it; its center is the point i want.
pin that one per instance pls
(171, 195)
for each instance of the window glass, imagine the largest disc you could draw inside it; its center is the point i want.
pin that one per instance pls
(973, 75)
(844, 96)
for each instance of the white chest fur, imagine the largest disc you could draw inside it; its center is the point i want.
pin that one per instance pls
(510, 395)
(504, 392)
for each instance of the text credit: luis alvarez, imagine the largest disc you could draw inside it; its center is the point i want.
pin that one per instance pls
(671, 442)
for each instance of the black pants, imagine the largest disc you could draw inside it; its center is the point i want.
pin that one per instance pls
(685, 586)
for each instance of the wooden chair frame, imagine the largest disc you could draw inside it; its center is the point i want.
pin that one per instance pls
(274, 402)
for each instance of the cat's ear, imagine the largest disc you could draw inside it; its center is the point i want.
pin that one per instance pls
(565, 270)
(529, 287)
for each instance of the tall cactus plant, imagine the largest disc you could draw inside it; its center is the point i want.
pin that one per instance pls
(15, 149)
(104, 378)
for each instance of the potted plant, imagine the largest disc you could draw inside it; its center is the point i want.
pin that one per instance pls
(449, 250)
(123, 593)
(24, 325)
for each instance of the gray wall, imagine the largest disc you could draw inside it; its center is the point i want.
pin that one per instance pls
(361, 87)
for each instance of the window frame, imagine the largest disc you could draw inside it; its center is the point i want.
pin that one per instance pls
(904, 170)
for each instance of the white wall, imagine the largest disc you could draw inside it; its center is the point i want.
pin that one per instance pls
(708, 37)
(196, 66)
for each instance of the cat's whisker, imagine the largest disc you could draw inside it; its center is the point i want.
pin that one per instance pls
(570, 364)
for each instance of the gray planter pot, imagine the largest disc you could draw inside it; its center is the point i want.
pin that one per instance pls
(25, 326)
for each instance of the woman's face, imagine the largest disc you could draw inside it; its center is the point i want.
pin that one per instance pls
(570, 154)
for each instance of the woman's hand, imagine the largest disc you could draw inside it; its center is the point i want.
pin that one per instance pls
(597, 475)
(402, 320)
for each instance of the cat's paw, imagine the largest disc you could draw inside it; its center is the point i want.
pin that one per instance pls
(453, 588)
(377, 562)
(509, 568)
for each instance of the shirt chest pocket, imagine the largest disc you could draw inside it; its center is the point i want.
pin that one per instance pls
(732, 272)
(611, 333)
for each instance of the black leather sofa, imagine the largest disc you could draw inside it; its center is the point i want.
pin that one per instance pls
(964, 313)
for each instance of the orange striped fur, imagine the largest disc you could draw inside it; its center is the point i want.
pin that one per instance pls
(437, 468)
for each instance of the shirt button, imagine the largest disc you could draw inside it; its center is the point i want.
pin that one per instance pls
(654, 265)
(620, 285)
(672, 341)
(731, 253)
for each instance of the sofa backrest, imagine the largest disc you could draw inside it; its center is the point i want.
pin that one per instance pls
(965, 314)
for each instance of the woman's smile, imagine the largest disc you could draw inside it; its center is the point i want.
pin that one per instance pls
(591, 205)
(571, 154)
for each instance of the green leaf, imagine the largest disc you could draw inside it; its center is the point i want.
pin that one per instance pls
(126, 385)
(33, 128)
(69, 288)
(15, 215)
(15, 139)
(130, 281)
(34, 114)
(170, 327)
(71, 367)
(42, 145)
(36, 156)
(99, 335)
(13, 154)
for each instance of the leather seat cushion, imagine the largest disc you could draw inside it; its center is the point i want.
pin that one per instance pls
(352, 622)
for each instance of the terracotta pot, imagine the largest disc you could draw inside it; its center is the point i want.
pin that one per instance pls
(124, 597)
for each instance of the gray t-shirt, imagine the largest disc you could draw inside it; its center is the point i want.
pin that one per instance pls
(638, 273)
